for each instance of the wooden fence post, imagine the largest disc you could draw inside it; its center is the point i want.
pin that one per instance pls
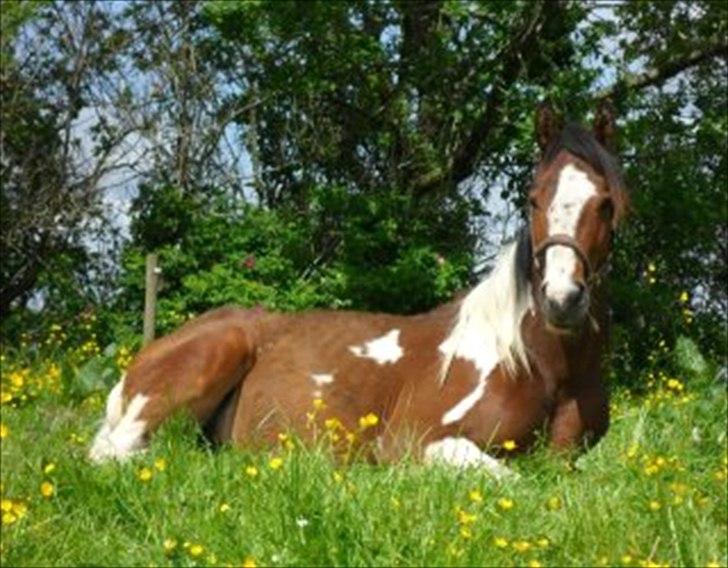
(150, 297)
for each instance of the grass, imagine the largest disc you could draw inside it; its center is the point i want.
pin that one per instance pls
(651, 493)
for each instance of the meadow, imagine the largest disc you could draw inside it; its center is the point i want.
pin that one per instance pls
(651, 493)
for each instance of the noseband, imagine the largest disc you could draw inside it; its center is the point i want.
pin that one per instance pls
(566, 241)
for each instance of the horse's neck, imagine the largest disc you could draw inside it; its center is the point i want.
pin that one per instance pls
(561, 359)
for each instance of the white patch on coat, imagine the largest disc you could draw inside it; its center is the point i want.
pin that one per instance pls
(574, 189)
(461, 452)
(488, 330)
(458, 411)
(322, 379)
(125, 437)
(384, 349)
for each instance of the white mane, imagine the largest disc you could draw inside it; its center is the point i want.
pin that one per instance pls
(487, 330)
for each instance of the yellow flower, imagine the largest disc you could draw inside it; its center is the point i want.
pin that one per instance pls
(318, 403)
(144, 474)
(553, 504)
(395, 503)
(475, 496)
(224, 508)
(47, 489)
(509, 445)
(500, 542)
(196, 550)
(251, 471)
(6, 505)
(534, 563)
(465, 518)
(9, 518)
(160, 464)
(713, 564)
(684, 297)
(465, 532)
(249, 562)
(655, 505)
(626, 559)
(505, 503)
(332, 423)
(169, 545)
(651, 267)
(4, 431)
(338, 477)
(275, 463)
(49, 468)
(674, 384)
(369, 420)
(521, 546)
(543, 542)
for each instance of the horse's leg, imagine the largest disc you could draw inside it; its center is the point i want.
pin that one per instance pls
(462, 452)
(192, 369)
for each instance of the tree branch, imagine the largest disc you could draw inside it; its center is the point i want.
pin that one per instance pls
(663, 72)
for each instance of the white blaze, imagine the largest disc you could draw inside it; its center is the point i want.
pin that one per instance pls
(574, 189)
(384, 349)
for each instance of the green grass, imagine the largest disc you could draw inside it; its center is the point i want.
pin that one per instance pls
(303, 514)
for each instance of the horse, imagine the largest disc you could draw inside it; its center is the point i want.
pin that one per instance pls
(516, 359)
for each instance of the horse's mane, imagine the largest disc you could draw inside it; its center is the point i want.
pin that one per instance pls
(583, 144)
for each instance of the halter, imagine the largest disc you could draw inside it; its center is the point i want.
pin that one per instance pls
(565, 240)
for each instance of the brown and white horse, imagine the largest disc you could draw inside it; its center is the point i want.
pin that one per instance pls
(519, 355)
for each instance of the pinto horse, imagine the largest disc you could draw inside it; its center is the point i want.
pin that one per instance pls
(517, 356)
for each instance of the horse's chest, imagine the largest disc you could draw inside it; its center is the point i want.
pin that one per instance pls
(509, 410)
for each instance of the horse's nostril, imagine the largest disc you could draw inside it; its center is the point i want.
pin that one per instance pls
(543, 289)
(575, 296)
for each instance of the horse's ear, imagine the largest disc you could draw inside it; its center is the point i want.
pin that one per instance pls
(605, 127)
(547, 124)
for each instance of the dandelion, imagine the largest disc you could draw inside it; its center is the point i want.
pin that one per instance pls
(338, 477)
(521, 546)
(144, 474)
(655, 505)
(169, 545)
(465, 532)
(465, 518)
(332, 423)
(275, 463)
(553, 504)
(47, 489)
(249, 562)
(318, 403)
(533, 563)
(475, 496)
(674, 384)
(196, 550)
(224, 508)
(505, 504)
(368, 421)
(49, 468)
(6, 505)
(500, 542)
(160, 464)
(4, 431)
(543, 542)
(509, 445)
(8, 518)
(251, 471)
(626, 559)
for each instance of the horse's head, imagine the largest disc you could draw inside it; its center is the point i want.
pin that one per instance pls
(576, 199)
